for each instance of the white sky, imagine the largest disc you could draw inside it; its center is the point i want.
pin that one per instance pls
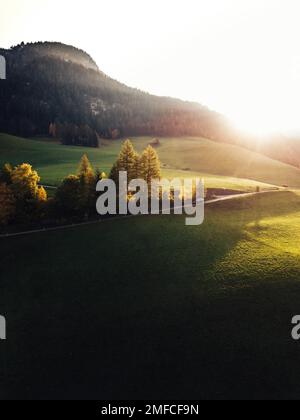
(240, 57)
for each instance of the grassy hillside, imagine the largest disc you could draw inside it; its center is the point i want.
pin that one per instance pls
(223, 159)
(149, 308)
(222, 165)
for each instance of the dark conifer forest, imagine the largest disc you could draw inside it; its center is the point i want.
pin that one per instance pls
(58, 90)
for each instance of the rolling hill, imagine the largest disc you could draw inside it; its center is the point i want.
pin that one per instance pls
(222, 165)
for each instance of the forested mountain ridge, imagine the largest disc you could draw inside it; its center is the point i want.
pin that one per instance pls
(56, 89)
(26, 52)
(55, 83)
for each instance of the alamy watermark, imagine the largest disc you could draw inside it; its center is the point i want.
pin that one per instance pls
(162, 196)
(2, 328)
(296, 329)
(2, 68)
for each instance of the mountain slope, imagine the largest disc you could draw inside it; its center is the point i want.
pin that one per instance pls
(54, 83)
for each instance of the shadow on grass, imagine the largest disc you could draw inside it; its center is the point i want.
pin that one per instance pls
(126, 311)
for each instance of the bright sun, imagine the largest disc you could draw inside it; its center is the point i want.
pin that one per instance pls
(240, 58)
(264, 112)
(259, 122)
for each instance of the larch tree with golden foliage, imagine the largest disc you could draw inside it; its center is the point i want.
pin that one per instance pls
(150, 165)
(25, 182)
(41, 195)
(126, 162)
(21, 193)
(136, 171)
(87, 178)
(85, 170)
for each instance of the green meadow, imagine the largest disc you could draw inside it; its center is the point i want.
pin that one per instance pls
(147, 307)
(221, 165)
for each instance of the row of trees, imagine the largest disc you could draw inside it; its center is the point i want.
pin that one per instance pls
(73, 135)
(22, 200)
(76, 196)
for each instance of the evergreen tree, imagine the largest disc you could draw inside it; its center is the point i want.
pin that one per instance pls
(97, 176)
(68, 197)
(150, 165)
(114, 174)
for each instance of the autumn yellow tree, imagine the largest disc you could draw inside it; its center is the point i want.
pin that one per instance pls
(126, 162)
(85, 170)
(41, 195)
(22, 199)
(99, 176)
(136, 170)
(27, 193)
(87, 180)
(24, 182)
(150, 165)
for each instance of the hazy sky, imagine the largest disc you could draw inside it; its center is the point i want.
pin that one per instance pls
(240, 57)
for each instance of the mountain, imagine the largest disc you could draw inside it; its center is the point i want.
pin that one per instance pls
(27, 53)
(59, 84)
(56, 89)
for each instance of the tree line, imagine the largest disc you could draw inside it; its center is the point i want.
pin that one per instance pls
(24, 201)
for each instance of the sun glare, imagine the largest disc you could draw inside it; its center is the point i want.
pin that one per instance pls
(252, 122)
(237, 57)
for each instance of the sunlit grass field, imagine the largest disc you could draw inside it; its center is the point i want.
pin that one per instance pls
(149, 308)
(222, 166)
